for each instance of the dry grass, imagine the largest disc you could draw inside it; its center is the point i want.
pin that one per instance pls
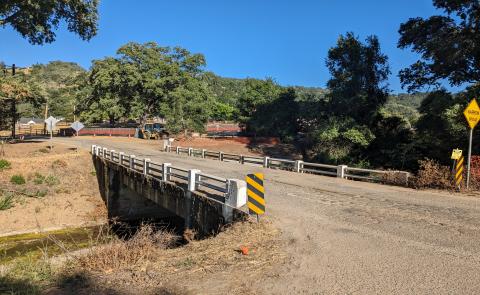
(118, 254)
(148, 264)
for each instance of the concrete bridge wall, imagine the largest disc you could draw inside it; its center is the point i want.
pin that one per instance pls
(131, 195)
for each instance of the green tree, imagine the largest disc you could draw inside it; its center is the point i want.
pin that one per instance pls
(359, 72)
(15, 90)
(449, 45)
(442, 126)
(108, 97)
(255, 93)
(277, 117)
(147, 80)
(340, 126)
(37, 19)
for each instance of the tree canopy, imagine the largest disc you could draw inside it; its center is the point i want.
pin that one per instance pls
(449, 45)
(15, 90)
(36, 20)
(147, 80)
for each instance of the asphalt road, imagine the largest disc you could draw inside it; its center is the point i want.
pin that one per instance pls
(347, 237)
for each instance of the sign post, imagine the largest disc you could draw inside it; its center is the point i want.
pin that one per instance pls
(51, 123)
(472, 114)
(77, 126)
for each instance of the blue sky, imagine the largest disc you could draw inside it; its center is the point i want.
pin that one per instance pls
(285, 40)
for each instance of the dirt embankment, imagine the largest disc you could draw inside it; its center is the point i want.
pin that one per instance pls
(44, 188)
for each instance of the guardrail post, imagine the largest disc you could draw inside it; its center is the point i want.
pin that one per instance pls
(265, 161)
(220, 156)
(111, 154)
(236, 197)
(242, 159)
(407, 176)
(93, 149)
(203, 153)
(97, 151)
(120, 158)
(104, 152)
(298, 166)
(146, 166)
(132, 161)
(178, 150)
(341, 171)
(190, 152)
(192, 179)
(166, 171)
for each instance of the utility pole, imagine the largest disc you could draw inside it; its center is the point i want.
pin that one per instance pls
(14, 108)
(45, 117)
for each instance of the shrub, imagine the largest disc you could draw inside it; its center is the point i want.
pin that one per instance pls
(44, 150)
(433, 175)
(52, 180)
(41, 194)
(17, 179)
(6, 202)
(396, 178)
(475, 173)
(39, 178)
(4, 164)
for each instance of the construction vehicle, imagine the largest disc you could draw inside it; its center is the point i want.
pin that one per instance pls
(154, 131)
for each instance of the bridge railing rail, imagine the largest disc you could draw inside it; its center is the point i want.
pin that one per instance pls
(233, 190)
(340, 171)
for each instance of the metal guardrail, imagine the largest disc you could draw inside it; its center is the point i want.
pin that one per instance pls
(315, 168)
(166, 172)
(341, 171)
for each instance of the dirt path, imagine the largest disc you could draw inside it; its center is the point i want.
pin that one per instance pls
(346, 237)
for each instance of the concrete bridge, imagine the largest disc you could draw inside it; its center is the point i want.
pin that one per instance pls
(349, 237)
(136, 189)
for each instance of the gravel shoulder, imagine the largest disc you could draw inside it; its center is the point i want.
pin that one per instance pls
(346, 237)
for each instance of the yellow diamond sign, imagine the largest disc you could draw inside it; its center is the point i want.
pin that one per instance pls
(472, 113)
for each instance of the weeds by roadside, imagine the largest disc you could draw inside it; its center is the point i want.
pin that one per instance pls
(17, 179)
(27, 276)
(4, 164)
(6, 202)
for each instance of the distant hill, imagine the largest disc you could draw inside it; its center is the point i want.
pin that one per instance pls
(228, 91)
(404, 105)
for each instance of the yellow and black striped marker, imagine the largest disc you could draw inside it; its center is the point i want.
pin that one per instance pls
(255, 193)
(459, 172)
